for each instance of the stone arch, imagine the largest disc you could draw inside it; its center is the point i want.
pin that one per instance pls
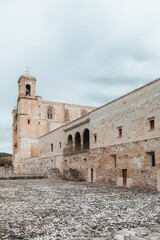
(86, 142)
(77, 141)
(83, 112)
(28, 90)
(70, 142)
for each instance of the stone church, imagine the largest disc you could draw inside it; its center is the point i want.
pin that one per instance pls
(117, 143)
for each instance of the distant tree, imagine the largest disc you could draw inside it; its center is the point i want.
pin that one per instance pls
(3, 154)
(5, 159)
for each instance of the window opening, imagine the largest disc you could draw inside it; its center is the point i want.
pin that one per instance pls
(151, 123)
(70, 142)
(95, 137)
(78, 142)
(86, 139)
(119, 132)
(49, 113)
(51, 147)
(28, 90)
(152, 158)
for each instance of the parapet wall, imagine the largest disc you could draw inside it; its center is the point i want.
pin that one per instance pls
(4, 170)
(41, 166)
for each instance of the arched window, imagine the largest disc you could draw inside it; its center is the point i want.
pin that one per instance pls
(50, 113)
(83, 112)
(77, 141)
(28, 90)
(86, 144)
(70, 142)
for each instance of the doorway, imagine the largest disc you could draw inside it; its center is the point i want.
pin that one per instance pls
(92, 175)
(124, 175)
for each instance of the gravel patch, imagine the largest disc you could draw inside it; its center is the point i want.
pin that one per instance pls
(47, 209)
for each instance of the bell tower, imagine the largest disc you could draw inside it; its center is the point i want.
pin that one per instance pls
(27, 86)
(25, 123)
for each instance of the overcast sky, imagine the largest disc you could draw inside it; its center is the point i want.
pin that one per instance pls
(80, 51)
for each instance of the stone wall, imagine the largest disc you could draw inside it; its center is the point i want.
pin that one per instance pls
(7, 169)
(131, 112)
(31, 121)
(109, 162)
(41, 166)
(130, 157)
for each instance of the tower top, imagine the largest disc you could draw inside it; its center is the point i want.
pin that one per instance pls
(27, 75)
(27, 86)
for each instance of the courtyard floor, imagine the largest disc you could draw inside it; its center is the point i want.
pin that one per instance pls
(48, 209)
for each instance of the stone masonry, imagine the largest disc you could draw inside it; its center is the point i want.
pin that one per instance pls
(117, 143)
(34, 117)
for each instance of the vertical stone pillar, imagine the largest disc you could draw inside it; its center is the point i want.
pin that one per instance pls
(81, 144)
(74, 145)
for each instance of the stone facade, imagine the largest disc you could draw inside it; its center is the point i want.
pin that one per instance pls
(117, 143)
(34, 117)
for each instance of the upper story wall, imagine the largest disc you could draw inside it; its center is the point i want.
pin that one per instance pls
(36, 117)
(137, 114)
(129, 118)
(52, 144)
(132, 113)
(62, 113)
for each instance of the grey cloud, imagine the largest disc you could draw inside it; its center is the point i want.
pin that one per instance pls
(6, 146)
(105, 81)
(98, 99)
(83, 51)
(5, 133)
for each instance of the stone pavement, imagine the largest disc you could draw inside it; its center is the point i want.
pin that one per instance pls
(43, 209)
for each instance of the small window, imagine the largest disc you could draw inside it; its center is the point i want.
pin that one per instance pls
(151, 123)
(95, 137)
(51, 147)
(114, 160)
(29, 121)
(60, 145)
(119, 132)
(152, 158)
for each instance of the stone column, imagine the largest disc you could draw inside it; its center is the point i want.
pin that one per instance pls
(73, 145)
(81, 144)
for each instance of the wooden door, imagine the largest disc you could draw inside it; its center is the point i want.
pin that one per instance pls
(92, 177)
(124, 175)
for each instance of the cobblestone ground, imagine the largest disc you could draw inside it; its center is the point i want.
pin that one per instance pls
(48, 209)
